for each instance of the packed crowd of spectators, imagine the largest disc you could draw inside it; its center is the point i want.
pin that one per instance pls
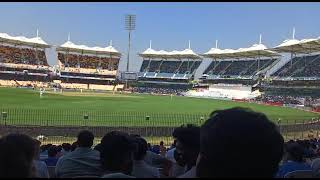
(158, 90)
(90, 62)
(180, 67)
(86, 81)
(234, 142)
(18, 55)
(291, 83)
(305, 66)
(24, 77)
(236, 68)
(281, 99)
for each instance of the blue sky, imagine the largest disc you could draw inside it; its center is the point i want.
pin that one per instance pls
(168, 25)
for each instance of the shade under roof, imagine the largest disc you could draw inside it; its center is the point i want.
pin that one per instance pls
(71, 47)
(21, 40)
(162, 54)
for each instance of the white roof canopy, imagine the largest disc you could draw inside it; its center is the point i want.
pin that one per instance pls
(21, 40)
(71, 47)
(257, 50)
(162, 54)
(184, 54)
(298, 46)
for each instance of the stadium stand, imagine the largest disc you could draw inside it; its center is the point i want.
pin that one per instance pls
(23, 62)
(237, 68)
(83, 67)
(176, 68)
(301, 67)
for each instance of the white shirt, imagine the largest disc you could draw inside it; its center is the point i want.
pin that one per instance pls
(142, 170)
(170, 155)
(41, 169)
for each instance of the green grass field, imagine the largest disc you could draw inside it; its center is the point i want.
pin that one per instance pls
(25, 107)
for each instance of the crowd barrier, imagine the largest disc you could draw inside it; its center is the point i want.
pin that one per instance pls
(64, 125)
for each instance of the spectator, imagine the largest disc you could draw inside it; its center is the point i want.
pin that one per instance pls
(155, 160)
(140, 168)
(170, 153)
(74, 146)
(17, 152)
(82, 161)
(258, 144)
(44, 151)
(156, 149)
(293, 160)
(40, 166)
(59, 151)
(187, 147)
(66, 148)
(116, 155)
(162, 149)
(52, 156)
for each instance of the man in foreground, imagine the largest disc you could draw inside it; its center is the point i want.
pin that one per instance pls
(238, 142)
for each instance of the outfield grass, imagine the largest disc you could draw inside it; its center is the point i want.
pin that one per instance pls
(24, 106)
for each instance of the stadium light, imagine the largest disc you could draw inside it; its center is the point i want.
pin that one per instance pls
(130, 25)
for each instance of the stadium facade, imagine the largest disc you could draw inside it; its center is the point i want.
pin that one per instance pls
(23, 62)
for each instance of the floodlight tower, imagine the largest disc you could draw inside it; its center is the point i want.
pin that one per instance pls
(130, 25)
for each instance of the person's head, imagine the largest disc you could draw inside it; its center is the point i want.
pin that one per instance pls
(161, 143)
(141, 150)
(238, 142)
(17, 152)
(66, 147)
(294, 152)
(85, 139)
(74, 146)
(187, 144)
(117, 150)
(53, 151)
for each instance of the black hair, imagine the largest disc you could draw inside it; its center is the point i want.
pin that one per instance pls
(66, 146)
(188, 135)
(74, 146)
(295, 151)
(52, 151)
(17, 152)
(142, 148)
(117, 149)
(188, 144)
(238, 142)
(85, 139)
(59, 148)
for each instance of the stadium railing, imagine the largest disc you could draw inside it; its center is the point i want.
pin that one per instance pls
(58, 126)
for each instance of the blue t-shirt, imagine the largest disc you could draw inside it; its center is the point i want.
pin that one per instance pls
(291, 166)
(51, 161)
